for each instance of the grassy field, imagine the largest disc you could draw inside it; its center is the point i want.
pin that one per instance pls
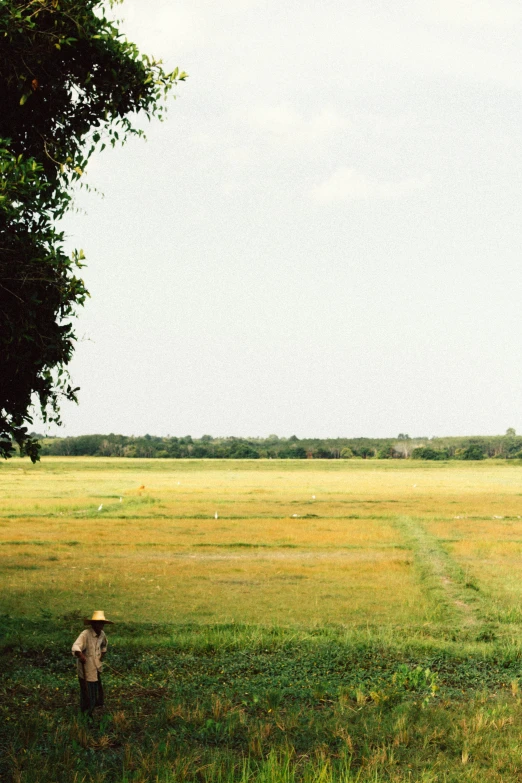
(275, 620)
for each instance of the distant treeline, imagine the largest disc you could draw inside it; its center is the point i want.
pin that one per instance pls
(507, 446)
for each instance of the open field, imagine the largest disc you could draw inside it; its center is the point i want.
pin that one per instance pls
(278, 641)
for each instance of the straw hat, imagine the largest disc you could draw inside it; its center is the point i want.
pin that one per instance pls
(97, 617)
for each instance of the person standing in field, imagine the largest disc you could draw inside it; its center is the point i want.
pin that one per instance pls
(90, 648)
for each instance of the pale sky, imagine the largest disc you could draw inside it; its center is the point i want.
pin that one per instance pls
(323, 238)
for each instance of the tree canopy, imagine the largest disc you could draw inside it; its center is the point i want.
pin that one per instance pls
(70, 83)
(207, 447)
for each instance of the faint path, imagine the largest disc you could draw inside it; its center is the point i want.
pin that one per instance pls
(442, 575)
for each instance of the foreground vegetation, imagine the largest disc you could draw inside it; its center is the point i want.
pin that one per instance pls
(275, 621)
(236, 703)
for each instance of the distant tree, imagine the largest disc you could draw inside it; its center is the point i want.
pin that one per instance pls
(291, 452)
(402, 436)
(403, 448)
(510, 432)
(346, 453)
(473, 452)
(322, 453)
(244, 451)
(70, 83)
(365, 452)
(512, 446)
(199, 451)
(425, 452)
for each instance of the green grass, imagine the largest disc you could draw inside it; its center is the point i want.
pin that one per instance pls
(240, 703)
(284, 641)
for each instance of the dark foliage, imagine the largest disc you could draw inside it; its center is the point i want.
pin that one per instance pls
(473, 452)
(427, 453)
(68, 84)
(208, 447)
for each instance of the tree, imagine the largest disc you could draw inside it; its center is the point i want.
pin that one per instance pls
(404, 447)
(425, 452)
(244, 451)
(321, 452)
(69, 81)
(473, 452)
(511, 432)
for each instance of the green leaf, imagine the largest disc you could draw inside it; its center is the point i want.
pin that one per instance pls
(92, 94)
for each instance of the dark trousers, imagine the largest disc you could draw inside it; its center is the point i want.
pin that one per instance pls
(91, 694)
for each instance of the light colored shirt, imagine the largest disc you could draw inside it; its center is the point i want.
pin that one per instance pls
(92, 647)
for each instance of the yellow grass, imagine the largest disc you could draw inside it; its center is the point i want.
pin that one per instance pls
(380, 544)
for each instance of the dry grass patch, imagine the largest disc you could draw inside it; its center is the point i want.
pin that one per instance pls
(258, 585)
(282, 550)
(293, 542)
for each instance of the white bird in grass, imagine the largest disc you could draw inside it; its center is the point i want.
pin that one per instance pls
(313, 497)
(216, 515)
(100, 507)
(121, 500)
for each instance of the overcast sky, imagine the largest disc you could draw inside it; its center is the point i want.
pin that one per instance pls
(324, 236)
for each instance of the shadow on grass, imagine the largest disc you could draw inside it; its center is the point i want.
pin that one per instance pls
(242, 703)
